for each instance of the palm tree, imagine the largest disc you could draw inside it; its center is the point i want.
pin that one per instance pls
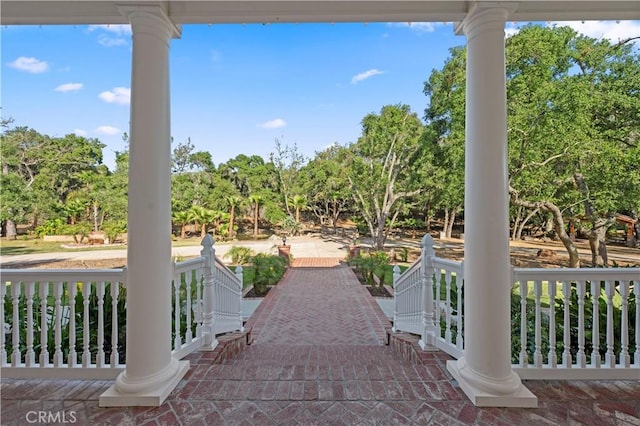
(299, 202)
(233, 201)
(256, 200)
(182, 219)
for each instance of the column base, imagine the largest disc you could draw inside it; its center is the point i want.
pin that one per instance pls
(154, 397)
(521, 397)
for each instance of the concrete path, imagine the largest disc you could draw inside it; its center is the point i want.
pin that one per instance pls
(318, 359)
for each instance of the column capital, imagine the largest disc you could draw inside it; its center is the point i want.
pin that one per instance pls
(147, 16)
(484, 13)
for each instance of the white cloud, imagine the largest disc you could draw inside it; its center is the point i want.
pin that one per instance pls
(273, 124)
(80, 132)
(119, 95)
(610, 30)
(116, 29)
(69, 87)
(32, 65)
(364, 75)
(107, 130)
(107, 41)
(510, 29)
(422, 27)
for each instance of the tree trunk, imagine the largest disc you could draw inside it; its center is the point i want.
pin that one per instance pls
(95, 217)
(516, 223)
(524, 222)
(256, 214)
(232, 215)
(427, 216)
(452, 220)
(298, 214)
(446, 222)
(12, 231)
(598, 244)
(574, 256)
(183, 231)
(203, 230)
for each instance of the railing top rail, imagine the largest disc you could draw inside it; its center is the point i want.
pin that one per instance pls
(454, 265)
(187, 265)
(225, 269)
(560, 274)
(58, 275)
(410, 269)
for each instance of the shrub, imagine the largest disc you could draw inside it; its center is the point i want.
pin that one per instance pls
(269, 270)
(239, 255)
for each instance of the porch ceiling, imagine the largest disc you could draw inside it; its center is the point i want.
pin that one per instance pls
(14, 12)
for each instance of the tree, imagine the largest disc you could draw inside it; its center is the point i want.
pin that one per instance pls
(233, 201)
(324, 181)
(287, 162)
(298, 202)
(182, 219)
(382, 167)
(445, 118)
(256, 200)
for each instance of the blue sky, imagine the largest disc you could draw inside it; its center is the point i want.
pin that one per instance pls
(235, 88)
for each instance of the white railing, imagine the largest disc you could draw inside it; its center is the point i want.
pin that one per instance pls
(72, 323)
(581, 346)
(568, 305)
(62, 323)
(448, 296)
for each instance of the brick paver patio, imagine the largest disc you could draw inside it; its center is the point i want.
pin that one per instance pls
(318, 357)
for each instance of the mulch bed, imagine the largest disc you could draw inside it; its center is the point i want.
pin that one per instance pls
(252, 293)
(375, 291)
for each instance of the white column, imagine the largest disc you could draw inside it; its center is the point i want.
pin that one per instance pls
(151, 372)
(484, 372)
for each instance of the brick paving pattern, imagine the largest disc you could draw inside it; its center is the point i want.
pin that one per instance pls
(317, 358)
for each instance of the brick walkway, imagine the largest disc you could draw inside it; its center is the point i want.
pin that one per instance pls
(318, 358)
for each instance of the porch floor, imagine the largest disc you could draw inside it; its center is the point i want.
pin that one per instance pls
(318, 357)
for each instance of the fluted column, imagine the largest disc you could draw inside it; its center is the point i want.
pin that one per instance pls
(484, 372)
(151, 372)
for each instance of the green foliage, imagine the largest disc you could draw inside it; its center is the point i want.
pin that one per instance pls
(239, 255)
(375, 263)
(382, 166)
(269, 270)
(113, 230)
(51, 227)
(290, 226)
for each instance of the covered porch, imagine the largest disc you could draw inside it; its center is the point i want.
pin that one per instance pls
(484, 369)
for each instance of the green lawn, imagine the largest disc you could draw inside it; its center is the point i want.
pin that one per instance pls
(36, 245)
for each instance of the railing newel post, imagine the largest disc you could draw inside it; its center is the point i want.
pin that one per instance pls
(396, 277)
(208, 253)
(427, 272)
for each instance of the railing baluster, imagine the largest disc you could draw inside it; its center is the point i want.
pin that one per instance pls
(72, 358)
(100, 338)
(86, 331)
(447, 329)
(460, 316)
(567, 361)
(44, 326)
(3, 344)
(581, 357)
(177, 339)
(625, 359)
(30, 356)
(188, 283)
(58, 357)
(199, 303)
(524, 292)
(115, 292)
(636, 293)
(438, 300)
(610, 356)
(595, 320)
(16, 356)
(552, 358)
(537, 293)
